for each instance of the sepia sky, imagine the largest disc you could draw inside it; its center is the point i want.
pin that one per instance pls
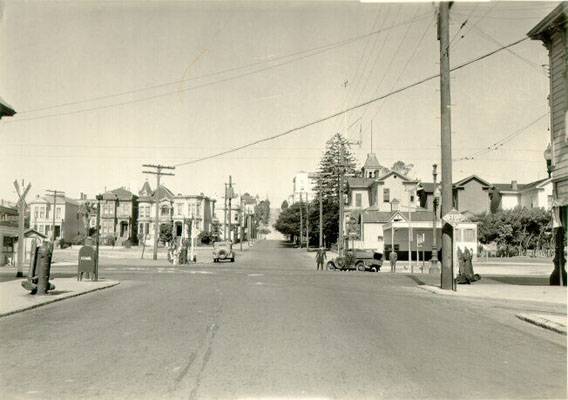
(102, 87)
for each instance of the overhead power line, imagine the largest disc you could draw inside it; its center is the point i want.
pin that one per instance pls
(336, 114)
(500, 143)
(309, 52)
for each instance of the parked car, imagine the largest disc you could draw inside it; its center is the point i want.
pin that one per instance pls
(360, 260)
(223, 251)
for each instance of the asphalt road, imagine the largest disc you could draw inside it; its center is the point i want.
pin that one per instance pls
(268, 327)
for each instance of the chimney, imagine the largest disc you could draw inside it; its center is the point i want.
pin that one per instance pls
(514, 185)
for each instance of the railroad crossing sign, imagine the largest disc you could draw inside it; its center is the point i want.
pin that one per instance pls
(454, 217)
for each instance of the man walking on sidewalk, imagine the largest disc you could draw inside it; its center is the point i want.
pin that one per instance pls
(393, 257)
(320, 258)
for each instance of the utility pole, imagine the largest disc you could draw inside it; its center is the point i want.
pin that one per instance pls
(242, 216)
(225, 215)
(434, 268)
(99, 197)
(301, 221)
(55, 193)
(321, 220)
(340, 198)
(307, 223)
(447, 278)
(230, 199)
(21, 226)
(158, 172)
(410, 236)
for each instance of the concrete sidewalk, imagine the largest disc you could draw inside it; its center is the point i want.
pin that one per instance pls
(540, 294)
(544, 295)
(14, 298)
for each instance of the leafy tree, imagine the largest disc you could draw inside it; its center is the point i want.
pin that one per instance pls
(262, 212)
(336, 159)
(288, 222)
(205, 237)
(516, 231)
(402, 168)
(165, 233)
(84, 212)
(284, 205)
(495, 200)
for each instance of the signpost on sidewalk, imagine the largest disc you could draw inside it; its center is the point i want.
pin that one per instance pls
(453, 218)
(21, 228)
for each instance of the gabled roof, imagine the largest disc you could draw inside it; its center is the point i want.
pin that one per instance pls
(163, 192)
(372, 162)
(419, 215)
(32, 232)
(555, 18)
(391, 173)
(537, 184)
(472, 177)
(120, 194)
(359, 183)
(373, 216)
(521, 187)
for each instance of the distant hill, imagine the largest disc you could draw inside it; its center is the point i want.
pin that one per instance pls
(274, 234)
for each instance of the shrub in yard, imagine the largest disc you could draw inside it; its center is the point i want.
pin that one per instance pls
(205, 238)
(107, 240)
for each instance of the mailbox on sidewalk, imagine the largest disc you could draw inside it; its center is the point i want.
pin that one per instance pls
(87, 262)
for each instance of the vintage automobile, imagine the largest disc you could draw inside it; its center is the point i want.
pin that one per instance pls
(360, 260)
(223, 251)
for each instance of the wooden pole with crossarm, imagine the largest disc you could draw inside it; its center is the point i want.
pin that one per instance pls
(21, 228)
(158, 172)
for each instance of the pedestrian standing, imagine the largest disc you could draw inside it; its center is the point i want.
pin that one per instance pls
(320, 258)
(393, 257)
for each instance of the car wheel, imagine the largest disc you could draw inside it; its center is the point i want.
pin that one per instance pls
(331, 266)
(232, 259)
(360, 266)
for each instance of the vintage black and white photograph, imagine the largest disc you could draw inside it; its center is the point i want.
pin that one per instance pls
(269, 200)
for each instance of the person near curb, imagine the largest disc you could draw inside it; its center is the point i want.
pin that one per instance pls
(320, 258)
(393, 257)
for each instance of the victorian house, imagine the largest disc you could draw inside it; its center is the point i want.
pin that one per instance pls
(119, 215)
(374, 199)
(60, 216)
(181, 213)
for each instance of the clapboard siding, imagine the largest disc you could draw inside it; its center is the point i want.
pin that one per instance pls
(558, 106)
(562, 189)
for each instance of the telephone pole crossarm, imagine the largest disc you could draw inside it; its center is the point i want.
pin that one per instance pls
(159, 173)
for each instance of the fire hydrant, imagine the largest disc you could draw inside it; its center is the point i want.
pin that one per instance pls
(38, 276)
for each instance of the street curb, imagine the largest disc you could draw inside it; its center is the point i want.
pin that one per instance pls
(543, 323)
(56, 299)
(436, 290)
(451, 293)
